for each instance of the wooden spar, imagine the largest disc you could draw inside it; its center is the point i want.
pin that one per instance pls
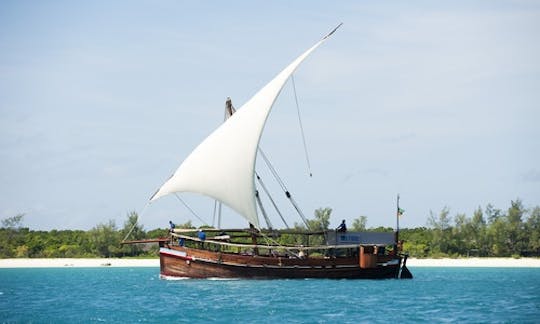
(158, 240)
(397, 221)
(248, 230)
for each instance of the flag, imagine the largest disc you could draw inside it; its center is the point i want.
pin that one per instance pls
(400, 211)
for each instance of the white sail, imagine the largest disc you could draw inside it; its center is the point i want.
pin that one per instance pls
(223, 165)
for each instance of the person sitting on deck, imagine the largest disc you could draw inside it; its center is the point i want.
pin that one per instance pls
(301, 254)
(202, 236)
(342, 227)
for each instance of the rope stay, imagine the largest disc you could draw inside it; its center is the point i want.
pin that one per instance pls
(189, 208)
(219, 214)
(214, 214)
(301, 126)
(298, 210)
(269, 241)
(263, 211)
(271, 199)
(274, 172)
(136, 221)
(283, 187)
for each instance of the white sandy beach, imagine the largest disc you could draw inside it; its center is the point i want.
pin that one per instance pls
(446, 262)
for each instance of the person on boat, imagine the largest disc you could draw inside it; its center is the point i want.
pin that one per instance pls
(399, 246)
(301, 254)
(201, 235)
(171, 224)
(254, 238)
(342, 227)
(181, 241)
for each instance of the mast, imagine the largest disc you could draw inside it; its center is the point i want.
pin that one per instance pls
(229, 111)
(397, 215)
(397, 221)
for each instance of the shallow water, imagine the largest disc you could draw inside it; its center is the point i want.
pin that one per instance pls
(139, 295)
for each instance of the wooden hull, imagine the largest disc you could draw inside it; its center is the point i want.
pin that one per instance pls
(194, 263)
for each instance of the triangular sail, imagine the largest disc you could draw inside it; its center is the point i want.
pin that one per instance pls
(223, 165)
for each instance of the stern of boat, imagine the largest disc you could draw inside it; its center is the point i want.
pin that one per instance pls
(404, 272)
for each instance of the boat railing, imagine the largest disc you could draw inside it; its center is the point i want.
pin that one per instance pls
(272, 250)
(243, 245)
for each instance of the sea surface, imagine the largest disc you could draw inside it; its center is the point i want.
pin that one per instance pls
(130, 295)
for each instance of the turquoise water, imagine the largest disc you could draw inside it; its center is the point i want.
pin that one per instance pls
(128, 295)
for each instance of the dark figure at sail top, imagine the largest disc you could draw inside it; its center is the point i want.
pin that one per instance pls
(171, 224)
(342, 227)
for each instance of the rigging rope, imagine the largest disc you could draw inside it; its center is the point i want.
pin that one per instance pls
(274, 172)
(276, 243)
(136, 221)
(263, 211)
(219, 214)
(214, 214)
(301, 126)
(298, 210)
(283, 187)
(191, 210)
(271, 199)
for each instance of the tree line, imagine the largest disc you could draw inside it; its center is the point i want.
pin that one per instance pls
(488, 232)
(104, 240)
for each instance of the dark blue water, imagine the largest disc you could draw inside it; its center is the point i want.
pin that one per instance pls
(474, 295)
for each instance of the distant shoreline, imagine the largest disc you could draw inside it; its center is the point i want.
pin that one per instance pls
(128, 263)
(77, 263)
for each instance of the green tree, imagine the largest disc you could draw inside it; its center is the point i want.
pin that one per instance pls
(187, 225)
(515, 227)
(417, 241)
(322, 219)
(12, 236)
(441, 233)
(157, 233)
(498, 238)
(132, 230)
(477, 233)
(321, 222)
(532, 228)
(492, 213)
(14, 222)
(105, 240)
(459, 242)
(359, 224)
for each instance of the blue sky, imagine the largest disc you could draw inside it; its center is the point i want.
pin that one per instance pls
(101, 101)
